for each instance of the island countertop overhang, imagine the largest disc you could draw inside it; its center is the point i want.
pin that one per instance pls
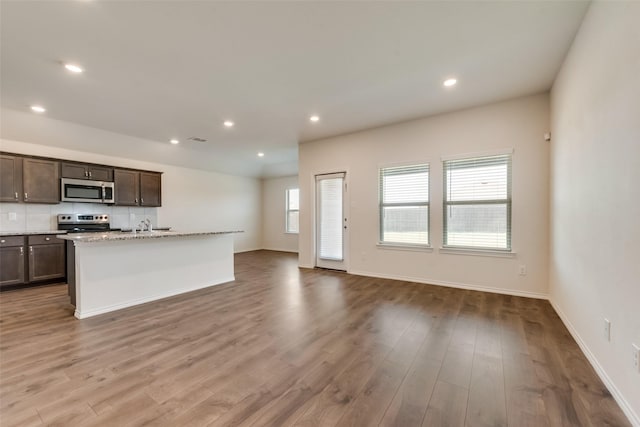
(124, 236)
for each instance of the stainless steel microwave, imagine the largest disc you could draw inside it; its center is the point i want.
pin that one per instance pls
(84, 190)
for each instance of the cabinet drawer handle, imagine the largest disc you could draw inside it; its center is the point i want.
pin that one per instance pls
(31, 249)
(47, 238)
(89, 174)
(21, 251)
(136, 200)
(141, 199)
(2, 241)
(26, 196)
(16, 195)
(86, 174)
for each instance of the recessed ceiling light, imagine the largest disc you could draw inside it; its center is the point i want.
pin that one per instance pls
(260, 154)
(450, 82)
(74, 68)
(228, 123)
(38, 109)
(314, 118)
(174, 141)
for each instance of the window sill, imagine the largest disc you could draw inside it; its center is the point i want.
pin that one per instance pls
(477, 252)
(401, 247)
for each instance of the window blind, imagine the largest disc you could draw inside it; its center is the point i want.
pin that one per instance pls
(404, 205)
(331, 213)
(477, 202)
(293, 210)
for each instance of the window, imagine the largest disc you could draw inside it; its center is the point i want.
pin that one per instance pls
(404, 205)
(477, 203)
(293, 209)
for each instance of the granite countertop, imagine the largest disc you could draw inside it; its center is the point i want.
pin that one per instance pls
(118, 235)
(26, 233)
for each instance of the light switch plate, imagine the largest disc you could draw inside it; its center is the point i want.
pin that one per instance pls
(606, 330)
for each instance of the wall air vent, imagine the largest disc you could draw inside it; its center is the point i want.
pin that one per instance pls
(196, 139)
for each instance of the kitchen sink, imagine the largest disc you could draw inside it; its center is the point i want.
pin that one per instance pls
(160, 230)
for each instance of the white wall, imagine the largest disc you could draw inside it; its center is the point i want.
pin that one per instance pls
(595, 194)
(273, 214)
(518, 124)
(191, 199)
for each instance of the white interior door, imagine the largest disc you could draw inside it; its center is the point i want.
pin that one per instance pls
(330, 221)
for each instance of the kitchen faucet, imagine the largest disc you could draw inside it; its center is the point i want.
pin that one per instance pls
(145, 225)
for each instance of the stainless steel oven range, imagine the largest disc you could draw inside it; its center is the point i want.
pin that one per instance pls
(85, 223)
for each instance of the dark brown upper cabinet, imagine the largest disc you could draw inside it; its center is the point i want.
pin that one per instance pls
(127, 187)
(29, 180)
(40, 181)
(10, 178)
(150, 189)
(86, 171)
(37, 180)
(135, 188)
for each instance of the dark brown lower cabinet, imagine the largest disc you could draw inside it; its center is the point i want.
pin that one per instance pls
(46, 258)
(12, 261)
(31, 259)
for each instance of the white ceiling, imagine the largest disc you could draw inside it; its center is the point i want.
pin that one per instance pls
(175, 69)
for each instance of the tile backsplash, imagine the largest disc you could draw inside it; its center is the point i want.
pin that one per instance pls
(33, 217)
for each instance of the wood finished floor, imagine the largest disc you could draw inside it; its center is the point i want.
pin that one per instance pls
(287, 347)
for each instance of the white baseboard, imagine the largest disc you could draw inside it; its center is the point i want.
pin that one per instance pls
(246, 250)
(281, 250)
(120, 306)
(624, 405)
(516, 293)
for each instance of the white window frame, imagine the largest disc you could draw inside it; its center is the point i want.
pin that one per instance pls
(446, 248)
(287, 211)
(381, 205)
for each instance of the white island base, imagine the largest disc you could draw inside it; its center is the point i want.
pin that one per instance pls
(113, 273)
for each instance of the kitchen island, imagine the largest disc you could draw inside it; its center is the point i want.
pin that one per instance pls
(113, 270)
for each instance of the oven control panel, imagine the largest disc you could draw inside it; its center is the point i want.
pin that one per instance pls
(83, 218)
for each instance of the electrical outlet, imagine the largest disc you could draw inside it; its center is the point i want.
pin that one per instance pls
(606, 331)
(636, 357)
(523, 270)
